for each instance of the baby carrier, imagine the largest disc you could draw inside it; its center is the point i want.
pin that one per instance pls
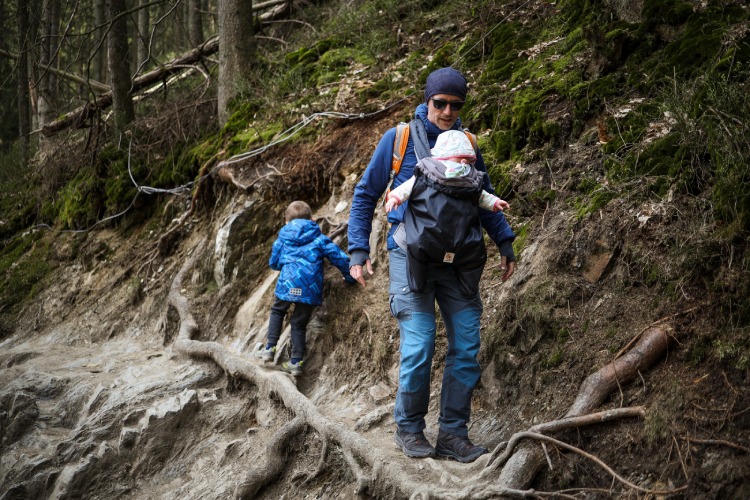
(443, 227)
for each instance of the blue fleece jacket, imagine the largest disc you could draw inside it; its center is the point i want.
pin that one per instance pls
(298, 253)
(375, 181)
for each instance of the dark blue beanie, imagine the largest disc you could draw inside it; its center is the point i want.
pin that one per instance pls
(445, 81)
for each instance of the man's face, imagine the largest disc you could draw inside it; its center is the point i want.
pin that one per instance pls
(446, 117)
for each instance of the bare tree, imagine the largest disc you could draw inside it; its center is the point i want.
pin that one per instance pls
(144, 27)
(24, 102)
(48, 47)
(237, 49)
(119, 65)
(99, 71)
(195, 23)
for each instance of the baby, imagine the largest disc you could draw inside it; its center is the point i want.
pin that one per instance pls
(455, 156)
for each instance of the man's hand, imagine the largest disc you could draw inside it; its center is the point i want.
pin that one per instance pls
(358, 272)
(506, 266)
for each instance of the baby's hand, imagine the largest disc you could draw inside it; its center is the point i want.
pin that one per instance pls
(500, 205)
(392, 203)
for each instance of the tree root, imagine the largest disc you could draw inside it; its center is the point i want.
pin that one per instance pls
(525, 463)
(281, 385)
(375, 474)
(275, 460)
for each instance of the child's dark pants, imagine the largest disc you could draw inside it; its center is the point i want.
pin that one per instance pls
(299, 320)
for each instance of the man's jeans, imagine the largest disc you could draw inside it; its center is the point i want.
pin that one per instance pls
(415, 313)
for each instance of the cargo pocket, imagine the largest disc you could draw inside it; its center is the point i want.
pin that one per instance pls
(400, 305)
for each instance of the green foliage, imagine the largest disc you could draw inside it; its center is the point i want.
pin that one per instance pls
(522, 236)
(596, 198)
(734, 346)
(24, 263)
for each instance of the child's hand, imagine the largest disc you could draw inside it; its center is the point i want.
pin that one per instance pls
(500, 205)
(392, 203)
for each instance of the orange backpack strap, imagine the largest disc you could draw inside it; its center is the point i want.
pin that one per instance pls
(399, 147)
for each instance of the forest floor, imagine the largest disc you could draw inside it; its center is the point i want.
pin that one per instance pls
(98, 403)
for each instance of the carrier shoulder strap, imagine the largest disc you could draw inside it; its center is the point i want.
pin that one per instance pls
(421, 144)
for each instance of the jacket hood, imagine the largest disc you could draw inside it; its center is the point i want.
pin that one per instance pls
(299, 232)
(433, 130)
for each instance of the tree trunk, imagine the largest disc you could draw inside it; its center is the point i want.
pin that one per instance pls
(119, 66)
(24, 103)
(47, 80)
(195, 23)
(144, 34)
(236, 50)
(99, 70)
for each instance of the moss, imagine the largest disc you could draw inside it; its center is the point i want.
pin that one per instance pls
(500, 177)
(554, 359)
(522, 236)
(543, 197)
(24, 264)
(251, 136)
(81, 200)
(593, 202)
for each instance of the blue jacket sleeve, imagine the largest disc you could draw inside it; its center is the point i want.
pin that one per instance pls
(273, 262)
(367, 193)
(494, 222)
(337, 257)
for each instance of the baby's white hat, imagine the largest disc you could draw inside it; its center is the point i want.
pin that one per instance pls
(453, 143)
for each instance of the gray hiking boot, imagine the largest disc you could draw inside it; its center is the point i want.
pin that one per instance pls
(293, 368)
(265, 354)
(414, 445)
(458, 448)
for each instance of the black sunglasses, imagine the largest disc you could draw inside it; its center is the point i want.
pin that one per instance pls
(441, 104)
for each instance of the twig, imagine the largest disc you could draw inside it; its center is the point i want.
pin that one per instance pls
(608, 469)
(718, 441)
(682, 462)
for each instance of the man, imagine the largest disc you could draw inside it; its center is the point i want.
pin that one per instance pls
(445, 93)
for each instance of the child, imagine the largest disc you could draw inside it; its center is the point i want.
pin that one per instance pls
(457, 153)
(298, 253)
(441, 224)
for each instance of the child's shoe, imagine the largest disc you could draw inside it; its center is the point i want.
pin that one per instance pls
(266, 354)
(293, 368)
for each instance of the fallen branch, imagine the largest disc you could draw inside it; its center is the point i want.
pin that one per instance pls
(77, 118)
(98, 86)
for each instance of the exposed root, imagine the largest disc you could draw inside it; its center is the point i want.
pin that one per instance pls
(321, 464)
(525, 463)
(281, 385)
(374, 417)
(275, 460)
(597, 386)
(720, 442)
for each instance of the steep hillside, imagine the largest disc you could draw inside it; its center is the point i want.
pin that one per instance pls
(618, 134)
